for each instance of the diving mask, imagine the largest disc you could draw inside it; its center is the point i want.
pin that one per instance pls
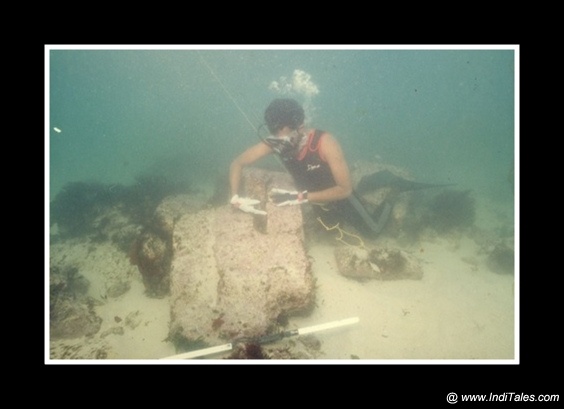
(286, 145)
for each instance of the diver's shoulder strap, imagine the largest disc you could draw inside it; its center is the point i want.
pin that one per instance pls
(315, 140)
(312, 144)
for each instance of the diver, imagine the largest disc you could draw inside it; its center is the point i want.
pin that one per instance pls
(318, 167)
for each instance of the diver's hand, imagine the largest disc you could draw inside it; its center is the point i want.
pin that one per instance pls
(281, 197)
(246, 205)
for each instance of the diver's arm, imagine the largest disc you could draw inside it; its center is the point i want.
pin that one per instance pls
(251, 155)
(331, 151)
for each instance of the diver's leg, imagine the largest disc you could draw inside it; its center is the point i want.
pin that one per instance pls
(366, 223)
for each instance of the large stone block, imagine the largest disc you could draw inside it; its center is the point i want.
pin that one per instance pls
(234, 274)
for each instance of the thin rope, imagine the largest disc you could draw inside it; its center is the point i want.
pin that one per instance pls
(342, 234)
(227, 91)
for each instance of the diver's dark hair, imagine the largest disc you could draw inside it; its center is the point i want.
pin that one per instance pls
(283, 112)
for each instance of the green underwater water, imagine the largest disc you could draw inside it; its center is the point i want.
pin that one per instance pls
(137, 117)
(445, 115)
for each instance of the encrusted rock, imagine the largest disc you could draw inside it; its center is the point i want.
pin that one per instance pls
(112, 331)
(152, 250)
(72, 319)
(133, 319)
(152, 254)
(70, 311)
(353, 262)
(379, 264)
(230, 279)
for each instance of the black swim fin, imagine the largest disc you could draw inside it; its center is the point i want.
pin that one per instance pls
(385, 178)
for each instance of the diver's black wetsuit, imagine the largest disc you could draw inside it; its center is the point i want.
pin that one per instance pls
(312, 173)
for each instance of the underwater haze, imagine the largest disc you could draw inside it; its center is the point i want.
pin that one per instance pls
(447, 116)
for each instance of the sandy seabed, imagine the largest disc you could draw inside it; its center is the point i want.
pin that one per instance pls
(460, 311)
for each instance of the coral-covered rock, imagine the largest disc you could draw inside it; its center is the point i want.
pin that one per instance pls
(379, 264)
(395, 264)
(71, 314)
(230, 279)
(152, 254)
(353, 262)
(152, 250)
(71, 319)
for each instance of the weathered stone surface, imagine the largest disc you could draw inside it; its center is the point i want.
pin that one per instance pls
(229, 278)
(72, 319)
(71, 313)
(152, 254)
(152, 250)
(353, 262)
(82, 276)
(379, 264)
